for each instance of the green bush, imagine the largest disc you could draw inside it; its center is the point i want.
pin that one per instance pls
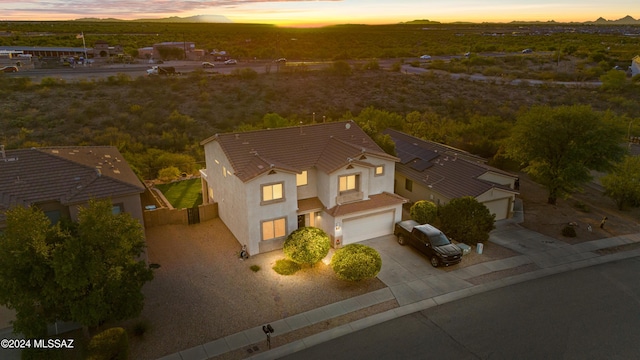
(569, 231)
(356, 262)
(286, 267)
(307, 245)
(254, 268)
(466, 220)
(111, 344)
(424, 212)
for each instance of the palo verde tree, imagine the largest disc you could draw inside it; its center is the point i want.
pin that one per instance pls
(27, 276)
(623, 183)
(466, 220)
(88, 272)
(100, 269)
(560, 146)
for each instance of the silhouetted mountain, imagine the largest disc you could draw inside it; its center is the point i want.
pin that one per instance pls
(627, 20)
(174, 19)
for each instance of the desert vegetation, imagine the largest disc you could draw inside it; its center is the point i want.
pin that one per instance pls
(158, 123)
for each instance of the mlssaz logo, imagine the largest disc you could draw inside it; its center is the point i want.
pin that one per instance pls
(53, 344)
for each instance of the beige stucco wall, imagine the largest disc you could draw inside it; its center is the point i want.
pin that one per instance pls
(311, 189)
(228, 191)
(258, 212)
(419, 192)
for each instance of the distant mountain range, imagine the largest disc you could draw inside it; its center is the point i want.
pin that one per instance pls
(173, 19)
(627, 20)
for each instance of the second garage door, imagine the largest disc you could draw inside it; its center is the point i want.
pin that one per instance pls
(367, 227)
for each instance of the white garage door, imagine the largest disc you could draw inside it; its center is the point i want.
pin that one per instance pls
(499, 207)
(367, 227)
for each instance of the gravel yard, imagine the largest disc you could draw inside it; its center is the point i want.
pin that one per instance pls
(203, 291)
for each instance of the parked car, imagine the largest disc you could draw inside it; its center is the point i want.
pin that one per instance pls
(281, 60)
(207, 64)
(231, 62)
(425, 57)
(527, 51)
(9, 69)
(429, 241)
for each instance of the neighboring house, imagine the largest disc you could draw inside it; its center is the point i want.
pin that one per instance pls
(635, 66)
(268, 183)
(439, 173)
(59, 180)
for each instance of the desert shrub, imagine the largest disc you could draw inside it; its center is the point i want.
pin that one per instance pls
(582, 206)
(286, 267)
(254, 268)
(307, 245)
(372, 65)
(569, 231)
(140, 328)
(111, 344)
(356, 262)
(169, 174)
(466, 220)
(424, 212)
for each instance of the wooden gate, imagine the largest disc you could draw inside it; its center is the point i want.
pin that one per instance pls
(193, 214)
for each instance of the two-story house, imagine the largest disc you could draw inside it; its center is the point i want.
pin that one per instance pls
(268, 183)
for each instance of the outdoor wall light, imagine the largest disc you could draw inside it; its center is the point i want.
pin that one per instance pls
(338, 227)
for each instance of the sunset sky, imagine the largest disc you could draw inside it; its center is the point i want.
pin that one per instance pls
(317, 13)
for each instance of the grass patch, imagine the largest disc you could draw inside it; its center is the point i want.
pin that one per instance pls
(254, 268)
(183, 194)
(286, 267)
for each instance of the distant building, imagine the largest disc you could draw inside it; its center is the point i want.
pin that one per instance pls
(172, 50)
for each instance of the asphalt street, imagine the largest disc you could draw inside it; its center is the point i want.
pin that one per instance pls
(590, 313)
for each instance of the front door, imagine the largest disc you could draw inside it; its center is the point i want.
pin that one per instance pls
(300, 221)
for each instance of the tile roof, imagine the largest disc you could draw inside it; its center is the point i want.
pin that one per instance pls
(377, 201)
(326, 146)
(448, 171)
(69, 175)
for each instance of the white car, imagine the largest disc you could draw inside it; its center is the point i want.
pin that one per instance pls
(425, 57)
(207, 64)
(231, 62)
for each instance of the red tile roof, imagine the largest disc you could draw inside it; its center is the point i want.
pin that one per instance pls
(446, 170)
(69, 175)
(377, 201)
(326, 146)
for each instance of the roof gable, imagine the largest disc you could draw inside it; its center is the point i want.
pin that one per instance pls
(326, 146)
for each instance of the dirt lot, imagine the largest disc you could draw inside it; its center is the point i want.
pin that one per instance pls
(581, 209)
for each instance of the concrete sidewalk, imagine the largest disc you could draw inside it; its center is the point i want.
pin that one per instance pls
(417, 287)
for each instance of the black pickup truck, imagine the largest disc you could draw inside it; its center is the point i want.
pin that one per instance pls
(430, 241)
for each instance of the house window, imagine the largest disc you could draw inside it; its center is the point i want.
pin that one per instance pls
(301, 179)
(349, 183)
(272, 192)
(379, 170)
(272, 229)
(408, 185)
(117, 209)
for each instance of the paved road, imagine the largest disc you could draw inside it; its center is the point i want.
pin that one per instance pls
(591, 313)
